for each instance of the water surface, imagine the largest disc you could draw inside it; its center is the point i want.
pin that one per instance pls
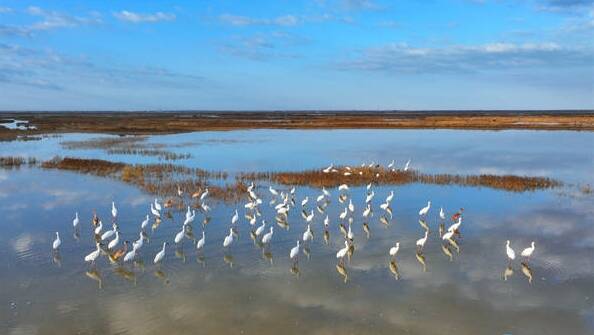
(247, 290)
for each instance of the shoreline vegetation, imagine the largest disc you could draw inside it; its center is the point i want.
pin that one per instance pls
(163, 179)
(149, 123)
(126, 145)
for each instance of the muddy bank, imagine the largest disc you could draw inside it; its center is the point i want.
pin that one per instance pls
(177, 122)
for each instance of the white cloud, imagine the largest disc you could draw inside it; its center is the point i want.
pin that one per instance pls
(45, 69)
(144, 17)
(238, 20)
(51, 20)
(402, 58)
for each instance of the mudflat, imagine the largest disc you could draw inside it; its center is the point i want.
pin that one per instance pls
(178, 122)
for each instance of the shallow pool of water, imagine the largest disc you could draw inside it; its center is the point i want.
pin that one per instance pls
(248, 289)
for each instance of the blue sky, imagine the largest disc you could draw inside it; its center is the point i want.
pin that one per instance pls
(291, 54)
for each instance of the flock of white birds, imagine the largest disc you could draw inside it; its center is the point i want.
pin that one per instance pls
(109, 242)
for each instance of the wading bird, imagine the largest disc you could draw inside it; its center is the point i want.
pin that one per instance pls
(304, 201)
(272, 191)
(99, 228)
(394, 249)
(294, 251)
(342, 252)
(180, 235)
(526, 252)
(228, 239)
(390, 197)
(75, 221)
(92, 257)
(511, 254)
(351, 206)
(448, 235)
(109, 233)
(235, 217)
(421, 242)
(114, 210)
(407, 165)
(454, 227)
(308, 235)
(113, 243)
(425, 209)
(144, 222)
(160, 255)
(57, 242)
(130, 255)
(200, 243)
(268, 236)
(204, 195)
(260, 229)
(155, 211)
(138, 243)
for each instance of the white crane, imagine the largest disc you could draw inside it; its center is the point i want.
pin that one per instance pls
(113, 243)
(93, 255)
(75, 221)
(144, 222)
(200, 243)
(99, 228)
(268, 236)
(394, 250)
(308, 235)
(180, 235)
(304, 201)
(204, 195)
(228, 239)
(235, 217)
(425, 209)
(343, 251)
(160, 255)
(261, 228)
(154, 211)
(511, 254)
(407, 165)
(421, 242)
(109, 233)
(138, 243)
(57, 242)
(294, 251)
(390, 197)
(114, 210)
(526, 252)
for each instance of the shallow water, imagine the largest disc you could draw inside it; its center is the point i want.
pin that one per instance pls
(249, 291)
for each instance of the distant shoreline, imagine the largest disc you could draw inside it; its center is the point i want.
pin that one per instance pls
(143, 123)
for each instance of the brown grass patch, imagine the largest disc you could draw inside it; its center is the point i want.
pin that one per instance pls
(126, 145)
(178, 122)
(382, 176)
(15, 162)
(160, 179)
(164, 179)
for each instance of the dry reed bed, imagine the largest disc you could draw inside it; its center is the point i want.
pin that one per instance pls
(379, 175)
(14, 162)
(160, 179)
(126, 145)
(164, 179)
(177, 122)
